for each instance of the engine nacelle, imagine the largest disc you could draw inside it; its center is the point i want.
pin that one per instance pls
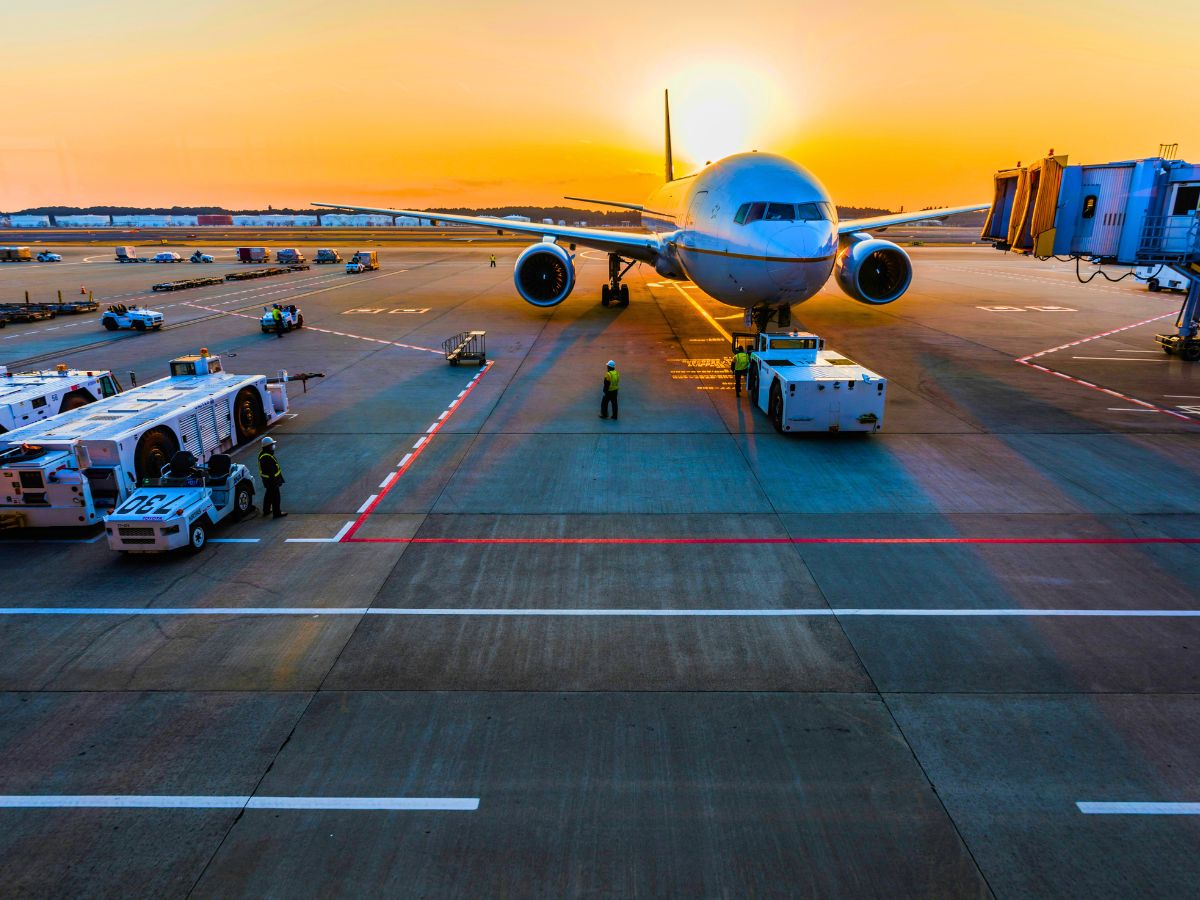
(544, 274)
(872, 271)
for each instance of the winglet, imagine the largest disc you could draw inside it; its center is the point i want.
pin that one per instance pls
(667, 115)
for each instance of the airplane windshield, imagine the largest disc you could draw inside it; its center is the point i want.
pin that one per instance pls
(819, 211)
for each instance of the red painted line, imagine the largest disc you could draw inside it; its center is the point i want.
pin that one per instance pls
(782, 540)
(349, 537)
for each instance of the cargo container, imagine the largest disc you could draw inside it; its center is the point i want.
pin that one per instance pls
(253, 254)
(15, 254)
(363, 261)
(288, 255)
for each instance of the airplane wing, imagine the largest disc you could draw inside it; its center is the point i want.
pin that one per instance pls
(630, 244)
(851, 225)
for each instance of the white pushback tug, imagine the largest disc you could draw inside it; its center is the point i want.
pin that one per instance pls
(801, 386)
(72, 469)
(27, 397)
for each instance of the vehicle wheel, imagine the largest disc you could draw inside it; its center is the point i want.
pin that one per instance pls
(140, 326)
(752, 380)
(1154, 285)
(605, 295)
(197, 536)
(624, 295)
(243, 500)
(158, 326)
(247, 414)
(299, 321)
(1168, 350)
(74, 401)
(1190, 352)
(110, 325)
(154, 451)
(776, 407)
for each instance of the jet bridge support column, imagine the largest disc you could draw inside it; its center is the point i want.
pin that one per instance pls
(1185, 341)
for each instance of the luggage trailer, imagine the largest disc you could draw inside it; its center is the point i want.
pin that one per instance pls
(73, 469)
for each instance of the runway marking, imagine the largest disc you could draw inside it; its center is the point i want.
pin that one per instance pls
(233, 540)
(711, 321)
(1102, 808)
(329, 540)
(185, 801)
(780, 540)
(601, 612)
(1119, 359)
(365, 511)
(1028, 361)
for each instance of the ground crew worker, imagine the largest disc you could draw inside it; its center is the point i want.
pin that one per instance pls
(740, 366)
(272, 478)
(277, 318)
(492, 261)
(612, 384)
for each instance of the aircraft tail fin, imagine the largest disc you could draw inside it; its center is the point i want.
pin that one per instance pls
(667, 118)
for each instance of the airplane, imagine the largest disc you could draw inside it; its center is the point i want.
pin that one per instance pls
(752, 230)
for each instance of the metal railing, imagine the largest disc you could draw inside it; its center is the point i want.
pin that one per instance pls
(1170, 239)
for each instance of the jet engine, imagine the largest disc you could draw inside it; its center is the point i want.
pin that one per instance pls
(544, 274)
(872, 271)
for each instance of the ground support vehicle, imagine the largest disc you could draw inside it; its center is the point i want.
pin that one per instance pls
(178, 509)
(253, 255)
(27, 397)
(129, 255)
(47, 256)
(293, 318)
(24, 312)
(15, 254)
(287, 255)
(363, 261)
(72, 307)
(119, 316)
(167, 257)
(199, 257)
(466, 346)
(186, 283)
(327, 255)
(801, 386)
(257, 273)
(78, 466)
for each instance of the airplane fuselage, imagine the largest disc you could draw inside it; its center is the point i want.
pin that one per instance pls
(748, 230)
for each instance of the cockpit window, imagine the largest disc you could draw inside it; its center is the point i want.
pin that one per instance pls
(819, 211)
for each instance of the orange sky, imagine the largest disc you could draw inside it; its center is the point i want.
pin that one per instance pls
(480, 103)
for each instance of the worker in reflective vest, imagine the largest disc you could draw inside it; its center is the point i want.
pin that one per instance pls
(612, 384)
(492, 260)
(272, 478)
(277, 317)
(740, 366)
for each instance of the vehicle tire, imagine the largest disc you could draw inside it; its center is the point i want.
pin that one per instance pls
(299, 321)
(139, 326)
(1168, 350)
(154, 451)
(110, 325)
(752, 381)
(74, 400)
(197, 535)
(243, 500)
(158, 327)
(605, 295)
(776, 407)
(624, 295)
(247, 414)
(1154, 285)
(1190, 352)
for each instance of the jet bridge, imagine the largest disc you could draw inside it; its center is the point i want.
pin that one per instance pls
(1140, 212)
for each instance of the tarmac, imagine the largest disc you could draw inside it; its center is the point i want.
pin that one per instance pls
(501, 646)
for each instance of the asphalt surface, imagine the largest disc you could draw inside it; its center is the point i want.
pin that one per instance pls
(677, 654)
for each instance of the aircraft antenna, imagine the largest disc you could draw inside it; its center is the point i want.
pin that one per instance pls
(667, 118)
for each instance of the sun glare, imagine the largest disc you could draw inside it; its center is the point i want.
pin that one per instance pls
(720, 109)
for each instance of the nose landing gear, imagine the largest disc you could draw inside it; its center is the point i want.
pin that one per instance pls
(764, 313)
(614, 291)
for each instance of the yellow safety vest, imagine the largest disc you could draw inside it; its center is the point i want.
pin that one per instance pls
(268, 466)
(277, 315)
(741, 361)
(612, 380)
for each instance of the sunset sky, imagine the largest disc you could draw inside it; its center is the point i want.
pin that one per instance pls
(476, 103)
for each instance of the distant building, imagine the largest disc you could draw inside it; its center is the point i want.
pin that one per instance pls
(204, 220)
(185, 221)
(356, 220)
(516, 218)
(82, 221)
(29, 221)
(141, 221)
(547, 221)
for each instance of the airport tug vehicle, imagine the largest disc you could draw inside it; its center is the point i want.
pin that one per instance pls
(27, 397)
(119, 316)
(801, 386)
(179, 508)
(47, 256)
(200, 257)
(293, 318)
(73, 469)
(363, 261)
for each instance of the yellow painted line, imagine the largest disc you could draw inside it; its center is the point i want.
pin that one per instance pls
(711, 321)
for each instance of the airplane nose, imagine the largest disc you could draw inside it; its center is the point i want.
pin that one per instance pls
(794, 254)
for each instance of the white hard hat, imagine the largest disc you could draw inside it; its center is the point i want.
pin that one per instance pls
(268, 441)
(611, 364)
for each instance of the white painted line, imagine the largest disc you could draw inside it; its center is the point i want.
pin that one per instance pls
(407, 457)
(308, 540)
(342, 531)
(417, 445)
(1130, 409)
(608, 612)
(362, 509)
(233, 540)
(432, 427)
(443, 415)
(1139, 351)
(392, 477)
(185, 801)
(1090, 808)
(1183, 396)
(1118, 358)
(185, 611)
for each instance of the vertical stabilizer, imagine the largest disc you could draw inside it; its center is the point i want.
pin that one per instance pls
(667, 115)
